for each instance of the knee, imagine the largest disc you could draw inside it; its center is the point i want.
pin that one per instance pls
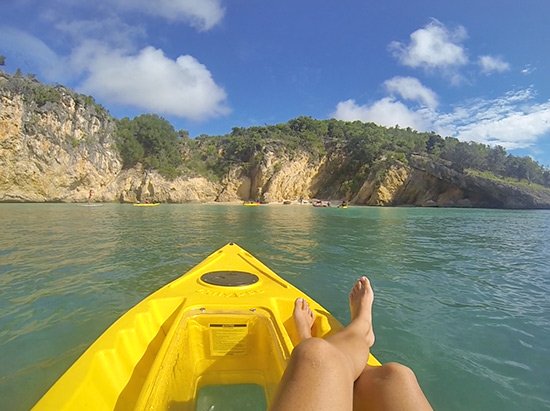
(399, 372)
(314, 351)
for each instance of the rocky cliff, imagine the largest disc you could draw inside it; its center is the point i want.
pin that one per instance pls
(54, 152)
(60, 150)
(428, 183)
(57, 149)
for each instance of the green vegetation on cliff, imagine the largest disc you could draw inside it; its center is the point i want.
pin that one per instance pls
(353, 148)
(152, 141)
(46, 97)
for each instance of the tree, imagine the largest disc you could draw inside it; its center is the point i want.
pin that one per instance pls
(534, 173)
(496, 160)
(520, 168)
(336, 129)
(151, 140)
(303, 124)
(2, 60)
(131, 151)
(465, 155)
(434, 144)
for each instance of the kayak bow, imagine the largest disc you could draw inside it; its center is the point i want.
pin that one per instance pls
(227, 322)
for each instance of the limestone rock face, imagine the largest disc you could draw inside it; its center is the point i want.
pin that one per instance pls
(236, 186)
(60, 151)
(383, 185)
(285, 178)
(54, 152)
(460, 189)
(136, 185)
(276, 178)
(427, 183)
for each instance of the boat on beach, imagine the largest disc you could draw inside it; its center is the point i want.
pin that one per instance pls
(320, 203)
(224, 327)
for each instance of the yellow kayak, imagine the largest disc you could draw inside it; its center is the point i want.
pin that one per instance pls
(217, 337)
(146, 204)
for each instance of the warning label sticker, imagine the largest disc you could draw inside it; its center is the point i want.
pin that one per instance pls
(228, 339)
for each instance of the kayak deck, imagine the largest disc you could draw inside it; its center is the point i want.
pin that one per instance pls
(221, 348)
(226, 323)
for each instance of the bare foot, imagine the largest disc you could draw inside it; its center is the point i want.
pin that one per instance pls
(361, 298)
(303, 318)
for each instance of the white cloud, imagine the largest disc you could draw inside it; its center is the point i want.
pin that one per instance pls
(386, 112)
(149, 80)
(410, 88)
(433, 47)
(490, 64)
(512, 121)
(528, 69)
(30, 53)
(201, 14)
(107, 62)
(109, 30)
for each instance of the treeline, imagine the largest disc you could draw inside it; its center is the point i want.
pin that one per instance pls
(482, 157)
(152, 141)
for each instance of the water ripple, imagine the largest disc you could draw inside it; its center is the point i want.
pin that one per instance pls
(461, 295)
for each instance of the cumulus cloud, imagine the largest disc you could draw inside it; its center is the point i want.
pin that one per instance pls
(106, 60)
(386, 112)
(512, 121)
(410, 88)
(150, 80)
(490, 64)
(433, 47)
(201, 14)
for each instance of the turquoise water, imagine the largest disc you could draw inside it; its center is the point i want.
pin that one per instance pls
(462, 296)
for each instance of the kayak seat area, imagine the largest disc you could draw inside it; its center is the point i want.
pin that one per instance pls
(235, 397)
(213, 355)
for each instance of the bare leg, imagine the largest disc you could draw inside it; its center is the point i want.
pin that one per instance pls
(321, 373)
(390, 387)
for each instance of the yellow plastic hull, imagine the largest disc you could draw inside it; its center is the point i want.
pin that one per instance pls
(191, 335)
(146, 204)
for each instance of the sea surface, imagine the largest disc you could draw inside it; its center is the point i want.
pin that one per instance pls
(462, 296)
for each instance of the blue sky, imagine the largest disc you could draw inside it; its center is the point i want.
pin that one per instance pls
(475, 70)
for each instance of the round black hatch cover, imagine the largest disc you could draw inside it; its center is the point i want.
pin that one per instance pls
(229, 278)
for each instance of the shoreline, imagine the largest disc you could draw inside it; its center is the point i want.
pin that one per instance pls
(281, 204)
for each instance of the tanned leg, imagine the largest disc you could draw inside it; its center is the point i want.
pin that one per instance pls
(387, 388)
(321, 373)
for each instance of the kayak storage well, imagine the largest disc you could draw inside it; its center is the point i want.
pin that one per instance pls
(213, 348)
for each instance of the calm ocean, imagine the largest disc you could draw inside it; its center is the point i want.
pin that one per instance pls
(462, 296)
